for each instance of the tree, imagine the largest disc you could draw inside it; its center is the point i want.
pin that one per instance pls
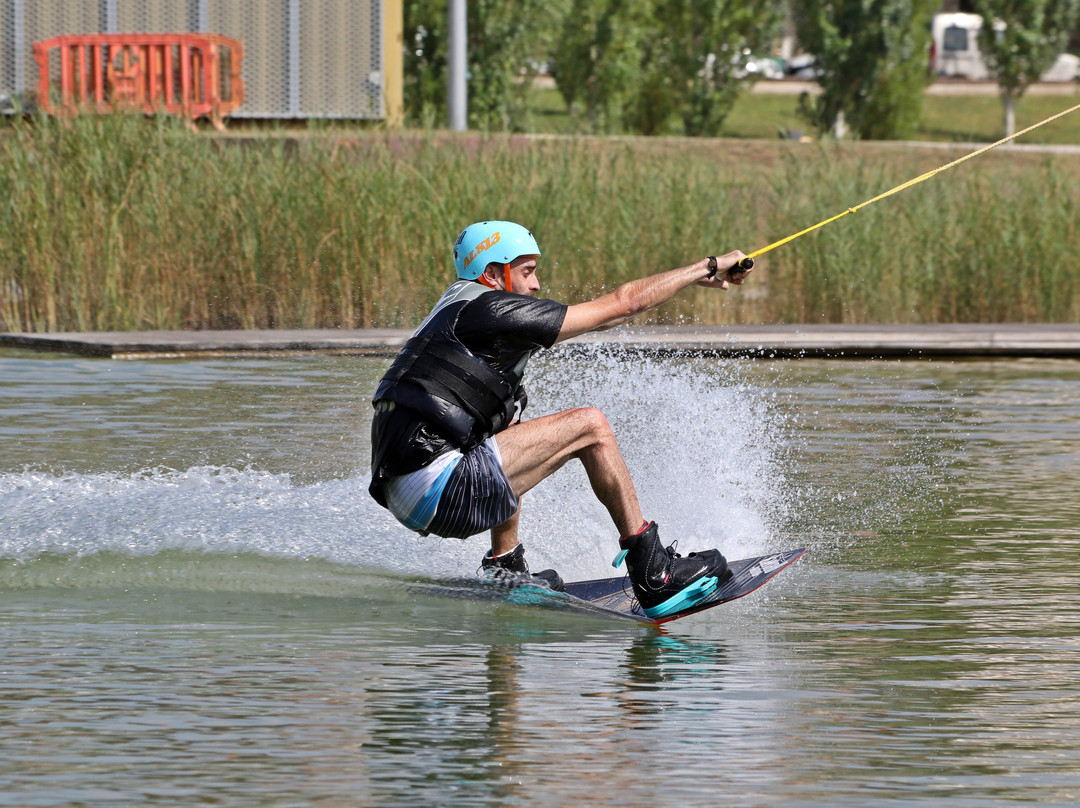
(693, 61)
(1020, 39)
(507, 39)
(425, 32)
(874, 60)
(597, 62)
(636, 64)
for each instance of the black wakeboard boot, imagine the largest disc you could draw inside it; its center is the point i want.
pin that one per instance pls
(664, 582)
(512, 567)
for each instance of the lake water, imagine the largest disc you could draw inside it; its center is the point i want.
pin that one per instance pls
(200, 605)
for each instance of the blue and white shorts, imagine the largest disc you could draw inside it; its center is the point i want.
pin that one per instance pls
(456, 495)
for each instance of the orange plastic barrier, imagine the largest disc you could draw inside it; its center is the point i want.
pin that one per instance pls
(179, 73)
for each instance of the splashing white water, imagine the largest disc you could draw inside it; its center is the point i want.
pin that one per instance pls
(700, 443)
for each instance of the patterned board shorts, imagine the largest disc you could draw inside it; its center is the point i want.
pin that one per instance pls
(456, 495)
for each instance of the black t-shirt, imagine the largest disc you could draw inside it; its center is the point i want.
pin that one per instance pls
(498, 327)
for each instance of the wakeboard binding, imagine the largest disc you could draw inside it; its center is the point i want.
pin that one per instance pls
(664, 582)
(512, 568)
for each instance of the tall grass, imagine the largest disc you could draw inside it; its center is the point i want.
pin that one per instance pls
(996, 243)
(122, 223)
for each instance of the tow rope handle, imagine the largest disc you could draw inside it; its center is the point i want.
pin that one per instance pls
(744, 265)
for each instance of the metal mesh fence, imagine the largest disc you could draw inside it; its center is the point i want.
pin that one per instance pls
(302, 58)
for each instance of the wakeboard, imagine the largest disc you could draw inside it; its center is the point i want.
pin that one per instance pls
(614, 597)
(747, 574)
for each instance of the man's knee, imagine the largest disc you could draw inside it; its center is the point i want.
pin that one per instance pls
(594, 424)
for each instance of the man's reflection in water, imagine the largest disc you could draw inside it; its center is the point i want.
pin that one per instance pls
(479, 724)
(657, 663)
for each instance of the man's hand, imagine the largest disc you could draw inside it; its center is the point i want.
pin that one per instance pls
(727, 271)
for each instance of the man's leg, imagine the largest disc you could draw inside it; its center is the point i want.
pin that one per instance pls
(534, 450)
(663, 583)
(504, 537)
(508, 555)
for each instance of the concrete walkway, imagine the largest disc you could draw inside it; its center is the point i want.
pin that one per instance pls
(820, 341)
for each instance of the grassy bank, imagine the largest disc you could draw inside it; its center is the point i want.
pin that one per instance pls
(123, 223)
(948, 118)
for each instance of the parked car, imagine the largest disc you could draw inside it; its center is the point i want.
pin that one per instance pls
(766, 67)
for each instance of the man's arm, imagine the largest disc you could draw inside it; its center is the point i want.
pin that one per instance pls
(638, 296)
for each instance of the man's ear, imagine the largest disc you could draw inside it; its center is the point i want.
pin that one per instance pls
(492, 278)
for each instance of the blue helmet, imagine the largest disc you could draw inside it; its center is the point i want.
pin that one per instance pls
(484, 243)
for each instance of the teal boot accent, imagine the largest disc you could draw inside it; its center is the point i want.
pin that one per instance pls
(664, 582)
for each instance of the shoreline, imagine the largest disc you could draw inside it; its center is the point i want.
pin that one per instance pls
(974, 340)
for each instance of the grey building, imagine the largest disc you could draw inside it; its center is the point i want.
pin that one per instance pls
(302, 58)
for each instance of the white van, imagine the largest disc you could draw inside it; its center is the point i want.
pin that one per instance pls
(956, 46)
(956, 50)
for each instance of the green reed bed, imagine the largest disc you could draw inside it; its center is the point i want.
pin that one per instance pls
(986, 242)
(120, 223)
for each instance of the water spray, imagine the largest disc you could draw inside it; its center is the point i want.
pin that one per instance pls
(748, 262)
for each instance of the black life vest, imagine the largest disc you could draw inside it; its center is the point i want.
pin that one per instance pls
(459, 395)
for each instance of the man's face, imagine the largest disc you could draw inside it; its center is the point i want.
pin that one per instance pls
(522, 276)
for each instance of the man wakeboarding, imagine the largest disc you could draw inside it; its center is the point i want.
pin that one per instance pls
(447, 455)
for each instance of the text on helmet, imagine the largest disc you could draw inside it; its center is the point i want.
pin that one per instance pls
(487, 243)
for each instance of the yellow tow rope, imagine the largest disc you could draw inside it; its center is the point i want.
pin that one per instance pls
(748, 262)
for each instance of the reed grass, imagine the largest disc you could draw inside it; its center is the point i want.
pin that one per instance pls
(126, 223)
(989, 244)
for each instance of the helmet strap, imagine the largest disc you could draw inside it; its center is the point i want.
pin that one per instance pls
(506, 279)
